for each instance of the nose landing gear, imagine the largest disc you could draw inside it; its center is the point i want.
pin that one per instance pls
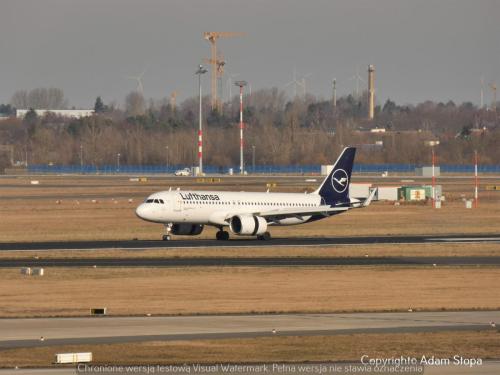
(168, 230)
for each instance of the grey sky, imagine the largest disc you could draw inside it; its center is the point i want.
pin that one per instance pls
(421, 49)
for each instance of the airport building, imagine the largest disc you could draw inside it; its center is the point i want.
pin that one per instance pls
(71, 113)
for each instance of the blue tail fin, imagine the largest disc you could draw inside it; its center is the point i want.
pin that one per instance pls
(335, 188)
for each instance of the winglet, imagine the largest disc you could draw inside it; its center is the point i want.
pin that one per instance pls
(368, 200)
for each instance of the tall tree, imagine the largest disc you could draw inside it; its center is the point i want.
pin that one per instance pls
(99, 106)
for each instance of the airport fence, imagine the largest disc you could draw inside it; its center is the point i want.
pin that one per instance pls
(259, 169)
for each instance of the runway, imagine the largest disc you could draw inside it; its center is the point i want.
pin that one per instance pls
(246, 242)
(17, 333)
(253, 262)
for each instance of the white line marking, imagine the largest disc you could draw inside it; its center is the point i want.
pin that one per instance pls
(465, 239)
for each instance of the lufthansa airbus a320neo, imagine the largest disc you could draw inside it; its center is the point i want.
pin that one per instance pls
(251, 213)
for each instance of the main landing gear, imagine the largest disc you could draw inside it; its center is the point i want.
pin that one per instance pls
(222, 235)
(168, 230)
(264, 237)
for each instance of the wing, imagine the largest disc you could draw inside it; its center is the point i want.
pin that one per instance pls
(325, 210)
(223, 217)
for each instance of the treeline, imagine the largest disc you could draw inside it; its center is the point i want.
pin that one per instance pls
(301, 131)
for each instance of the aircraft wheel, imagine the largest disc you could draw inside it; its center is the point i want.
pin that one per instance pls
(222, 235)
(166, 237)
(264, 237)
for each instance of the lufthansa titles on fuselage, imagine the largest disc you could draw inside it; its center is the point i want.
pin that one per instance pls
(204, 197)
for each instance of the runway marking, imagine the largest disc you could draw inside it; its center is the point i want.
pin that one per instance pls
(465, 239)
(229, 246)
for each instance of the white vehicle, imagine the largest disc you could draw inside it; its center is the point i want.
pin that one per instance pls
(183, 172)
(251, 213)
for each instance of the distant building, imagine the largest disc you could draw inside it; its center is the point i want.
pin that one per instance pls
(426, 171)
(71, 113)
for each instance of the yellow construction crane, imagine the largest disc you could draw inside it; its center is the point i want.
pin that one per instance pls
(219, 66)
(212, 37)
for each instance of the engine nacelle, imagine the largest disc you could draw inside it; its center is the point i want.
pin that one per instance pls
(248, 225)
(187, 229)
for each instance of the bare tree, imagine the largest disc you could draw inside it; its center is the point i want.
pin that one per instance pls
(40, 98)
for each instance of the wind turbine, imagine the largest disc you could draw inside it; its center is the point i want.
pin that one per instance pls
(293, 82)
(357, 78)
(304, 83)
(298, 82)
(138, 79)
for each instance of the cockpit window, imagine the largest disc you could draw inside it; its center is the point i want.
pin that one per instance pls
(149, 201)
(161, 201)
(156, 201)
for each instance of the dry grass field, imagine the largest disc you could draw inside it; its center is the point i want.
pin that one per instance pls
(31, 212)
(482, 344)
(214, 290)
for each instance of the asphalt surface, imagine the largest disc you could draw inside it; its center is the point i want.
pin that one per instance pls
(246, 242)
(251, 262)
(18, 333)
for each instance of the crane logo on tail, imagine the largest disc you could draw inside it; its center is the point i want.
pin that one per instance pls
(340, 180)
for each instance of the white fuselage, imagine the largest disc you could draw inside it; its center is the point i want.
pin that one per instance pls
(215, 207)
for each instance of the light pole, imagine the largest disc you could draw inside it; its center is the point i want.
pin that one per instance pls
(118, 162)
(241, 84)
(81, 158)
(199, 72)
(334, 94)
(166, 148)
(253, 159)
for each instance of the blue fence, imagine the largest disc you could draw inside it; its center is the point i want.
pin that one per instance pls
(265, 169)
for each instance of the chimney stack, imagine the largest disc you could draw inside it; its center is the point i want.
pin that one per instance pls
(371, 92)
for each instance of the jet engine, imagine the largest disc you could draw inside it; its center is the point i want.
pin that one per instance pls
(187, 229)
(248, 225)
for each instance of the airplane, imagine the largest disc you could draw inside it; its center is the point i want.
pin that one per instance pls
(251, 213)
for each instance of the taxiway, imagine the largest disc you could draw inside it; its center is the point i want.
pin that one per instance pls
(17, 333)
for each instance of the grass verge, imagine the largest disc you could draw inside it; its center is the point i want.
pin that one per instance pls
(220, 290)
(480, 344)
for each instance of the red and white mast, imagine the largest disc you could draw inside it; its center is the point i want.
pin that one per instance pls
(241, 84)
(476, 180)
(199, 72)
(433, 179)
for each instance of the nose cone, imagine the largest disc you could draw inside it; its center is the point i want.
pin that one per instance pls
(141, 211)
